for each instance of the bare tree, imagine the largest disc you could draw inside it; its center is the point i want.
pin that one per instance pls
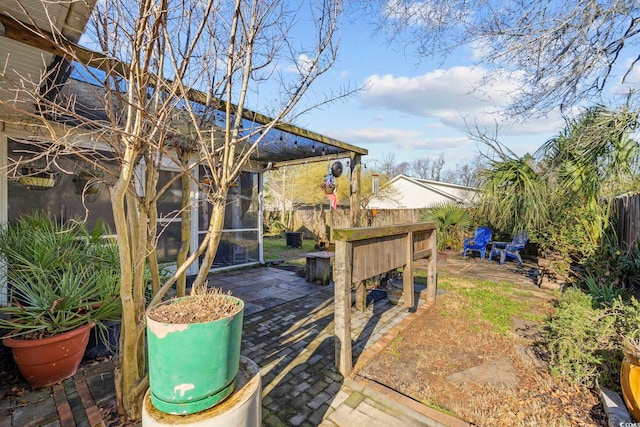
(466, 173)
(436, 167)
(387, 166)
(169, 86)
(403, 168)
(420, 168)
(561, 52)
(428, 168)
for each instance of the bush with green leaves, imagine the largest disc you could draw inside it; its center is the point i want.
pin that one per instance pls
(617, 265)
(453, 223)
(585, 338)
(274, 226)
(603, 292)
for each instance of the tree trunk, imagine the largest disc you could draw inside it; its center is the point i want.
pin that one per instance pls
(216, 222)
(131, 368)
(185, 225)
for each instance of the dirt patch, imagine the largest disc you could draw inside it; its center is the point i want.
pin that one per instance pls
(451, 360)
(208, 306)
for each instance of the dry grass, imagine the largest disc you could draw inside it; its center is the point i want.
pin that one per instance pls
(454, 337)
(205, 306)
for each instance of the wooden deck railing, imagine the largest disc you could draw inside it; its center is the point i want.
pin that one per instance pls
(362, 253)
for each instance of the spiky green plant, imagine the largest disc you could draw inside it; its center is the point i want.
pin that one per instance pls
(453, 223)
(59, 276)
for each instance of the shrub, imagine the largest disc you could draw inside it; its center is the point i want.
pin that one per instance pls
(603, 292)
(582, 341)
(453, 223)
(585, 338)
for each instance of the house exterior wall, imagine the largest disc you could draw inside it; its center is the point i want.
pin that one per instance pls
(241, 237)
(406, 193)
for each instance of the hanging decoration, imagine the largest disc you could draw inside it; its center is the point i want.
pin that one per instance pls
(89, 184)
(34, 178)
(329, 185)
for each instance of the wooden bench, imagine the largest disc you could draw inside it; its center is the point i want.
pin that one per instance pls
(319, 267)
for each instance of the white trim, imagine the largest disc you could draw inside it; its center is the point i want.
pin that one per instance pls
(4, 208)
(261, 218)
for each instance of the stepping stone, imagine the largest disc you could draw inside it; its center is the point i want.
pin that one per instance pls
(499, 373)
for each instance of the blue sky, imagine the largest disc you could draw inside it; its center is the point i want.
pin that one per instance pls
(413, 109)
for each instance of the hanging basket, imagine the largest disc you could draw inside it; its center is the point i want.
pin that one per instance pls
(38, 179)
(89, 185)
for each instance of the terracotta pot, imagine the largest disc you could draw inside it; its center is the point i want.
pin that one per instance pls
(630, 383)
(47, 361)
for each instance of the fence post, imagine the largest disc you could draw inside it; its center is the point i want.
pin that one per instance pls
(342, 300)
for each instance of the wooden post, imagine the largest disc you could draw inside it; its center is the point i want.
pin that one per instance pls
(361, 296)
(364, 252)
(407, 274)
(342, 302)
(431, 269)
(354, 201)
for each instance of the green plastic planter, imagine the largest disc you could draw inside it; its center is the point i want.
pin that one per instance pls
(193, 367)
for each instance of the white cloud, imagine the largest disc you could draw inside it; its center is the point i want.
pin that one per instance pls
(456, 97)
(302, 66)
(401, 139)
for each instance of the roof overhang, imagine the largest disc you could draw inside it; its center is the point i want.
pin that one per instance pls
(28, 48)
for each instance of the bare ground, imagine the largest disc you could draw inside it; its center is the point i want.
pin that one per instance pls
(450, 360)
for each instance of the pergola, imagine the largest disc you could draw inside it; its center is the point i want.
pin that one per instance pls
(27, 47)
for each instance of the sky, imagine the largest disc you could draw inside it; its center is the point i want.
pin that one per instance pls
(415, 109)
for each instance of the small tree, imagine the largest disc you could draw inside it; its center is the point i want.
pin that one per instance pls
(169, 85)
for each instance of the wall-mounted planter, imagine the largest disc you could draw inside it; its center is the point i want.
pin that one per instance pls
(193, 366)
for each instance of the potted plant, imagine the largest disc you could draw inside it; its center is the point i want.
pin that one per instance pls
(61, 282)
(203, 331)
(630, 374)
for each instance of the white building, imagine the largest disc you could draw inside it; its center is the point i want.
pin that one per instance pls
(404, 192)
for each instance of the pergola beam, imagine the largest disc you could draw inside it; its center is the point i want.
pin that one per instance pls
(60, 46)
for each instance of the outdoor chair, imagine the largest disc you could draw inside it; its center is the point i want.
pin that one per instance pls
(478, 242)
(510, 250)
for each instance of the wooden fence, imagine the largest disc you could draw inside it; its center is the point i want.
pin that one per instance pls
(314, 221)
(627, 210)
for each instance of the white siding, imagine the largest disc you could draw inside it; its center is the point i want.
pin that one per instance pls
(407, 193)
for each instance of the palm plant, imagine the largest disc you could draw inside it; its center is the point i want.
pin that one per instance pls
(453, 223)
(559, 197)
(58, 276)
(515, 194)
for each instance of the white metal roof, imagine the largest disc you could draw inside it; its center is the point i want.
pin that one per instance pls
(22, 63)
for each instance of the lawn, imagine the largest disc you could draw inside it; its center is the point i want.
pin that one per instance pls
(275, 249)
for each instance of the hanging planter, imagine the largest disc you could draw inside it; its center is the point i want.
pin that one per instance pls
(89, 184)
(38, 179)
(194, 351)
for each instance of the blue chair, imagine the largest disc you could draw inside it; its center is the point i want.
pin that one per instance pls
(510, 250)
(478, 242)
